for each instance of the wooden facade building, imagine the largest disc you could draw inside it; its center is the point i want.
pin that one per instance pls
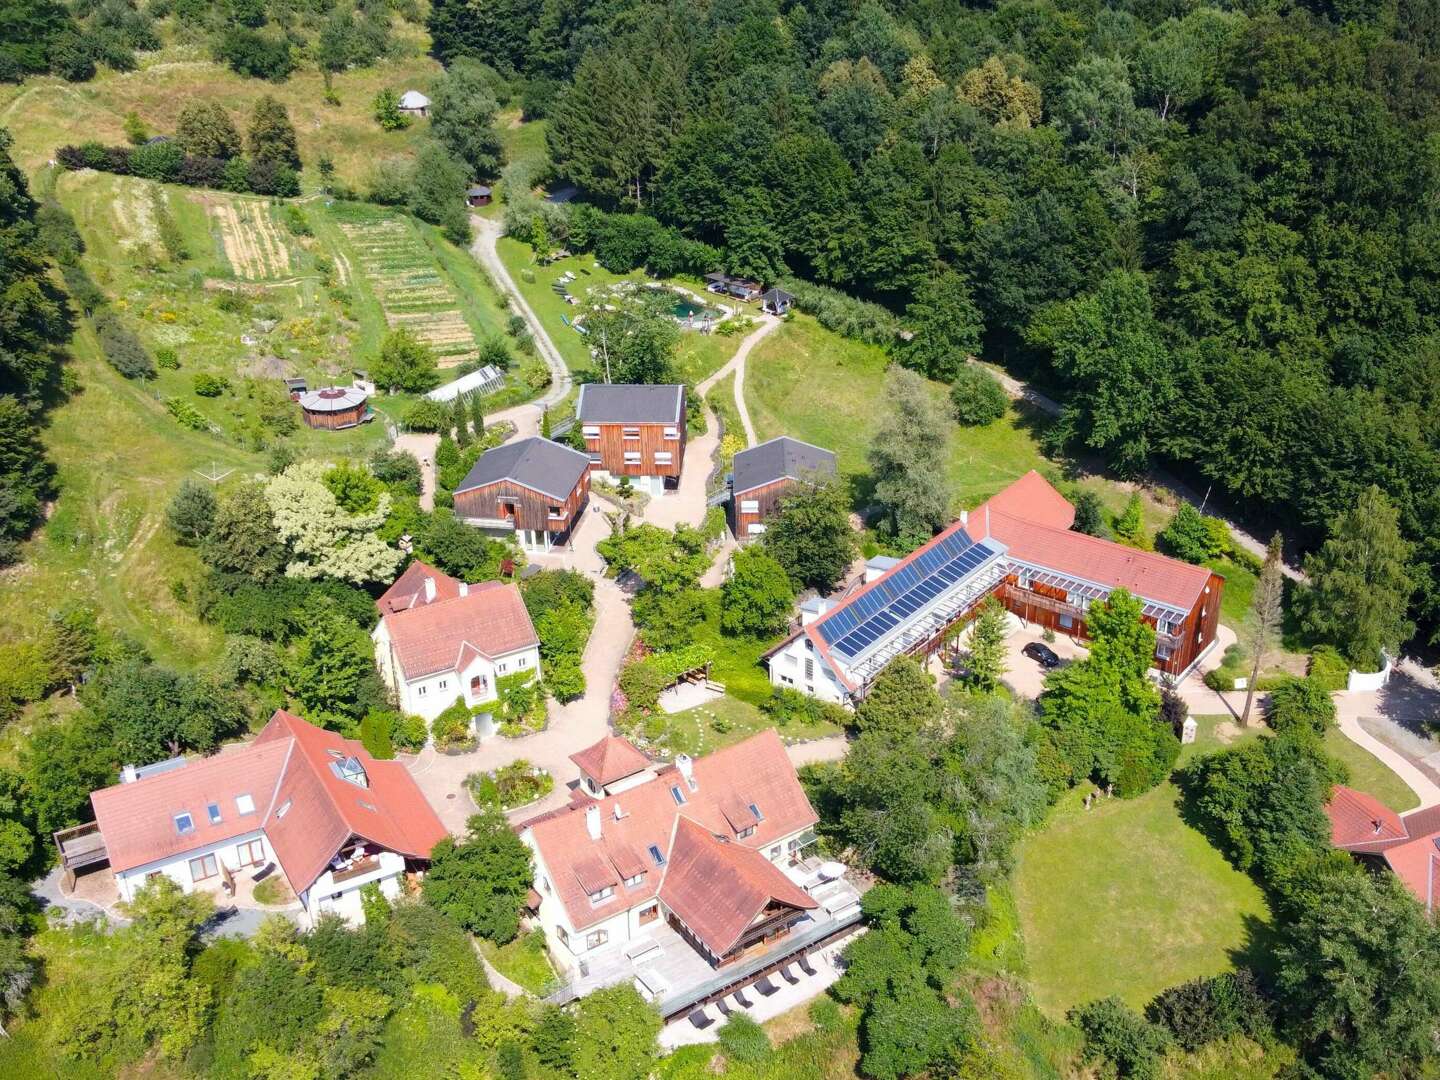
(534, 490)
(762, 475)
(635, 431)
(335, 407)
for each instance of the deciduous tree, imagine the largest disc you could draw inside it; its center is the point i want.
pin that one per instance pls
(271, 137)
(757, 599)
(325, 540)
(811, 536)
(908, 457)
(481, 880)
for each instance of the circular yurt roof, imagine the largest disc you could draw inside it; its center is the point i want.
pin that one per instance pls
(332, 399)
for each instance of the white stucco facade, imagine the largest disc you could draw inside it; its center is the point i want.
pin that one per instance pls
(798, 665)
(199, 869)
(429, 695)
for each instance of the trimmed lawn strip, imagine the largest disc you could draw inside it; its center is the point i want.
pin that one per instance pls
(523, 960)
(1369, 774)
(1127, 899)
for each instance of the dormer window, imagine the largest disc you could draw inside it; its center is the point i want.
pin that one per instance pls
(749, 830)
(213, 810)
(184, 824)
(603, 895)
(631, 882)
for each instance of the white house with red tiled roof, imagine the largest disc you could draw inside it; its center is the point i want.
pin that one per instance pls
(1019, 547)
(688, 877)
(439, 639)
(327, 815)
(1407, 844)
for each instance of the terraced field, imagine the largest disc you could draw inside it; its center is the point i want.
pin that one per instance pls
(252, 241)
(411, 289)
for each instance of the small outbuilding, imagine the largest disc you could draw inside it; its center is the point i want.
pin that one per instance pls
(776, 301)
(478, 195)
(414, 103)
(335, 407)
(296, 387)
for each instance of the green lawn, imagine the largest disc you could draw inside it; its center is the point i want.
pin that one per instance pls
(524, 960)
(1369, 774)
(807, 382)
(1127, 899)
(699, 354)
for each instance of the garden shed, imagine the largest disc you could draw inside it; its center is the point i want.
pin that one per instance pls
(335, 407)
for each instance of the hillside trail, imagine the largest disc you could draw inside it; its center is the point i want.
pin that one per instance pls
(736, 364)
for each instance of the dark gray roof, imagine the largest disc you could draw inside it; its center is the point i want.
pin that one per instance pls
(478, 189)
(619, 403)
(779, 459)
(536, 463)
(778, 294)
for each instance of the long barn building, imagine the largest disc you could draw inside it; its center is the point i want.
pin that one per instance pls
(1017, 546)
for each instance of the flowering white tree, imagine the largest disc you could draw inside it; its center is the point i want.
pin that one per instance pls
(327, 540)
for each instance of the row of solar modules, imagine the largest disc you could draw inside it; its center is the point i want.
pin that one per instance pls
(1079, 592)
(937, 577)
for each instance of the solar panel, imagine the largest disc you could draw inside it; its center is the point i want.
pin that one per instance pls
(909, 588)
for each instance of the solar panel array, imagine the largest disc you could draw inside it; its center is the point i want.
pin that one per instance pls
(911, 587)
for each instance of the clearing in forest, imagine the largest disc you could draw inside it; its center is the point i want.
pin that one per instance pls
(411, 290)
(254, 245)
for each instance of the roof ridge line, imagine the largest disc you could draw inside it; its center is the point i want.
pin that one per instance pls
(279, 777)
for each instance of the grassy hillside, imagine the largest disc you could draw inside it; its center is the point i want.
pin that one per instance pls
(236, 294)
(44, 113)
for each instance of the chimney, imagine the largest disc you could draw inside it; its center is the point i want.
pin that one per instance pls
(619, 814)
(687, 770)
(464, 588)
(964, 517)
(592, 821)
(429, 590)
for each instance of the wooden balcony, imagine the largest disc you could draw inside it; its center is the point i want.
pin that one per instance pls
(1014, 594)
(81, 846)
(367, 865)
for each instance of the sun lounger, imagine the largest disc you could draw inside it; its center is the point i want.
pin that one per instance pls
(806, 966)
(741, 1000)
(725, 1009)
(788, 974)
(765, 986)
(701, 1019)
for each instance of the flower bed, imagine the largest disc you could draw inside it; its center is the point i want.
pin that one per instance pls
(510, 785)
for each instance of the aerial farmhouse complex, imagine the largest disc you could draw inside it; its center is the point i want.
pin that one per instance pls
(1017, 546)
(691, 878)
(298, 800)
(439, 639)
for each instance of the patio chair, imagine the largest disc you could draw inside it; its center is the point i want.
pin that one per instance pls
(741, 999)
(788, 974)
(725, 1010)
(765, 986)
(701, 1019)
(806, 966)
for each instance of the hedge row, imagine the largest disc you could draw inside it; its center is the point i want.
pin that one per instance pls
(167, 162)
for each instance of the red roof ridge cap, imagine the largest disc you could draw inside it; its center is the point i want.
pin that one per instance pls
(280, 775)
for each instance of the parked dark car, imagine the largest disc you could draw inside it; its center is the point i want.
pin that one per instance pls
(1041, 654)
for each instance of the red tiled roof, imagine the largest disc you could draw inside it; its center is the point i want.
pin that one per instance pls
(610, 759)
(756, 770)
(1361, 822)
(305, 810)
(408, 591)
(490, 619)
(1032, 498)
(718, 888)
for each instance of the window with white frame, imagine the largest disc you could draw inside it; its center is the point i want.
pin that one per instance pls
(596, 938)
(203, 867)
(590, 431)
(557, 511)
(749, 506)
(244, 804)
(631, 432)
(672, 433)
(631, 882)
(421, 690)
(184, 823)
(632, 457)
(809, 668)
(212, 810)
(443, 684)
(749, 830)
(663, 457)
(601, 895)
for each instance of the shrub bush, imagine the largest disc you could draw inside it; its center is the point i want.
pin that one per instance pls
(207, 385)
(375, 733)
(1301, 707)
(427, 415)
(157, 161)
(743, 1040)
(451, 729)
(785, 706)
(185, 414)
(1116, 1033)
(976, 397)
(125, 352)
(167, 358)
(844, 314)
(1205, 1010)
(1328, 669)
(409, 734)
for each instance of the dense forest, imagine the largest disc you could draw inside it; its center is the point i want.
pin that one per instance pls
(1211, 230)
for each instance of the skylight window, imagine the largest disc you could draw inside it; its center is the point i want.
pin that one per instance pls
(244, 804)
(351, 771)
(366, 805)
(184, 823)
(756, 811)
(655, 854)
(677, 795)
(283, 810)
(213, 809)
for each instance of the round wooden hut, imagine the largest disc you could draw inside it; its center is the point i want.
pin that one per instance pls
(335, 407)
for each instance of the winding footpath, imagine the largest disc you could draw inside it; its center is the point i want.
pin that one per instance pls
(736, 364)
